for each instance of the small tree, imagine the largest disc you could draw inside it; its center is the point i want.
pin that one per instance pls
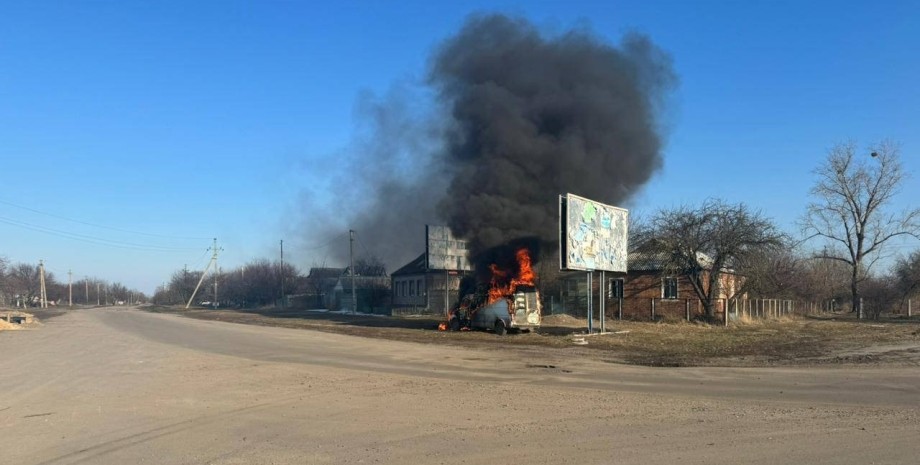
(849, 211)
(706, 242)
(25, 282)
(370, 266)
(775, 273)
(881, 295)
(907, 275)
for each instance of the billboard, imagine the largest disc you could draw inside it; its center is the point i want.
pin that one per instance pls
(443, 251)
(592, 235)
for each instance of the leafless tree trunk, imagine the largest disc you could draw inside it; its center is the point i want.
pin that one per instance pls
(849, 208)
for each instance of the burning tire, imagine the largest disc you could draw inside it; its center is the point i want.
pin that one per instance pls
(453, 324)
(500, 328)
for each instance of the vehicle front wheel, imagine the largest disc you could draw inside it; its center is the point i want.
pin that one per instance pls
(500, 328)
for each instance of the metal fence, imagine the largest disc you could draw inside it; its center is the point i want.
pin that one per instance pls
(658, 309)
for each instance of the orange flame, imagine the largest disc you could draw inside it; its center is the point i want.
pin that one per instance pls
(525, 277)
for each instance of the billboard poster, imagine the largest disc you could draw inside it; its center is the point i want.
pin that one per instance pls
(443, 251)
(592, 236)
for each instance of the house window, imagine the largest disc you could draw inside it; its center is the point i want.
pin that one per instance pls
(669, 288)
(615, 288)
(419, 284)
(411, 287)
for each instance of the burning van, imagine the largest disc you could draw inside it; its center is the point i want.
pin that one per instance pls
(510, 301)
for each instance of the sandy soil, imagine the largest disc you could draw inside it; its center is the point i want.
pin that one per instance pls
(123, 386)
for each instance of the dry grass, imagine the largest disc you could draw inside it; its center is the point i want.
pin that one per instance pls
(4, 326)
(785, 341)
(8, 326)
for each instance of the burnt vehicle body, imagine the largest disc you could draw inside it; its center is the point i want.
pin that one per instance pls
(521, 310)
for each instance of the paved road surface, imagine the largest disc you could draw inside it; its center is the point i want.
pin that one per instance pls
(125, 387)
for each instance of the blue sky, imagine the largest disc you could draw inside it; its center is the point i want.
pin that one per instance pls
(192, 120)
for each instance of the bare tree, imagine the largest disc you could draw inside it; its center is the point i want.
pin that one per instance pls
(25, 282)
(182, 284)
(775, 273)
(849, 211)
(881, 295)
(4, 284)
(370, 266)
(707, 242)
(907, 275)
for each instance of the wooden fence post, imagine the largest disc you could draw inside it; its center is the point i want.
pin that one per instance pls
(653, 309)
(687, 308)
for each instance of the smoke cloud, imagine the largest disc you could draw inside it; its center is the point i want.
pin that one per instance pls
(535, 116)
(520, 117)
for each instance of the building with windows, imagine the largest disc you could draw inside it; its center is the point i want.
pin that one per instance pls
(646, 291)
(649, 292)
(417, 289)
(429, 284)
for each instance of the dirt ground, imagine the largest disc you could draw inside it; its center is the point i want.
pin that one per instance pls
(820, 340)
(121, 386)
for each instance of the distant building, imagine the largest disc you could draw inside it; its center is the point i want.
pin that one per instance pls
(418, 290)
(429, 284)
(318, 289)
(372, 292)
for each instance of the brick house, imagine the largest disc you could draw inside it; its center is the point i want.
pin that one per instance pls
(647, 292)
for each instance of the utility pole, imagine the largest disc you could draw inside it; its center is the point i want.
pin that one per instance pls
(351, 258)
(97, 294)
(216, 275)
(41, 284)
(214, 251)
(86, 289)
(282, 273)
(69, 288)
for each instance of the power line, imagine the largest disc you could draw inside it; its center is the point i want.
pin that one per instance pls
(327, 244)
(93, 239)
(361, 243)
(102, 226)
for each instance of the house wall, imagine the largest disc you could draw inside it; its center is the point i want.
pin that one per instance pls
(640, 289)
(427, 295)
(410, 290)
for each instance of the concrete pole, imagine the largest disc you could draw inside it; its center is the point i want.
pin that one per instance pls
(69, 288)
(41, 283)
(282, 273)
(351, 259)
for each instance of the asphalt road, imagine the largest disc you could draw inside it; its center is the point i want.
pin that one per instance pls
(124, 386)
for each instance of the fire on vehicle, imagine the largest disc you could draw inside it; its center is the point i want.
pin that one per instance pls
(509, 302)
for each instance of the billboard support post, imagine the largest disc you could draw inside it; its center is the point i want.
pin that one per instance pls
(590, 293)
(603, 304)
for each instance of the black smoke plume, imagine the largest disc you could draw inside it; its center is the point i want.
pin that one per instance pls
(521, 117)
(535, 116)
